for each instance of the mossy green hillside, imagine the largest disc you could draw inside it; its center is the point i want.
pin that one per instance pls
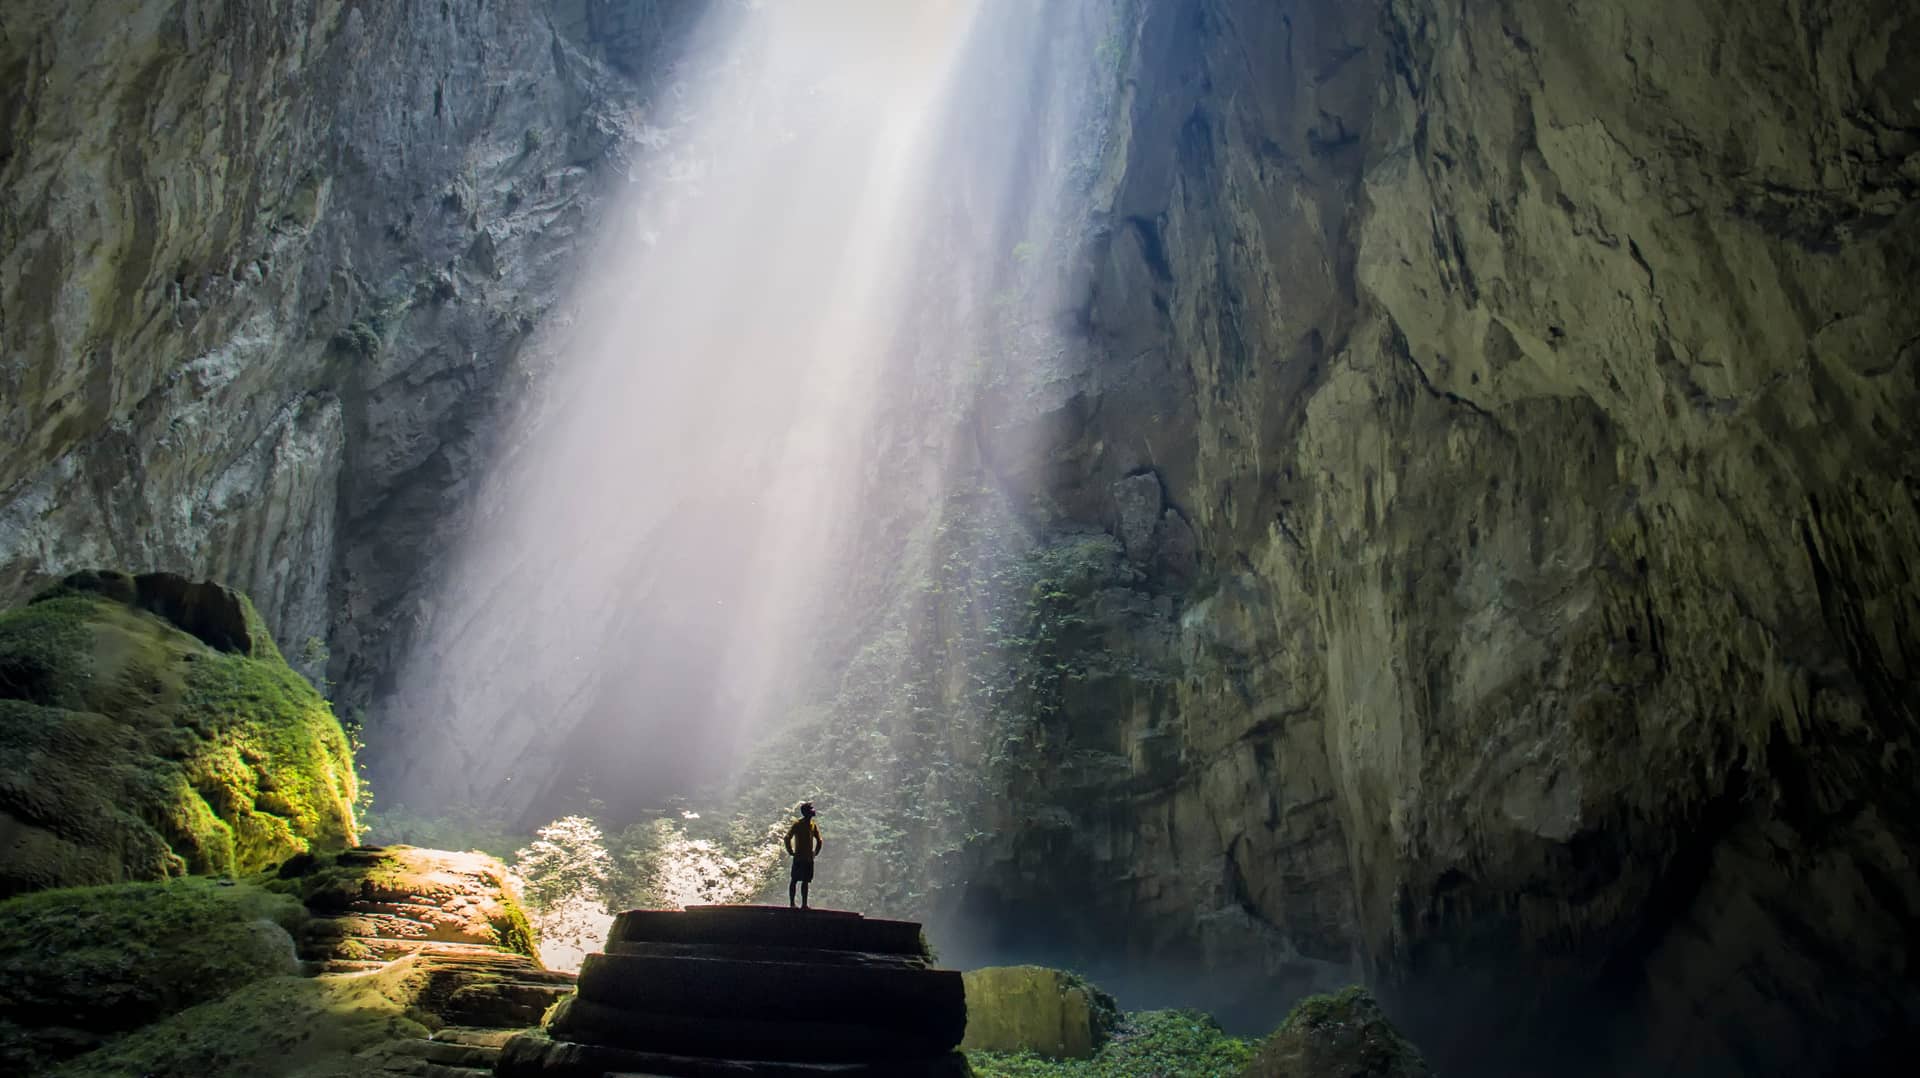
(138, 751)
(80, 966)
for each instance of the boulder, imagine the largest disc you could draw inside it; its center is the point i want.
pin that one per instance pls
(143, 748)
(380, 902)
(1342, 1034)
(1048, 1012)
(753, 990)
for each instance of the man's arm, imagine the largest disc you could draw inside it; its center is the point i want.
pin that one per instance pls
(786, 843)
(818, 842)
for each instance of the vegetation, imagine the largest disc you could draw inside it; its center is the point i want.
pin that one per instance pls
(140, 752)
(1343, 1032)
(275, 1025)
(1147, 1044)
(563, 877)
(81, 965)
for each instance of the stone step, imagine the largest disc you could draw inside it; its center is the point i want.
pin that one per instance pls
(747, 953)
(447, 1053)
(910, 998)
(318, 967)
(478, 1036)
(505, 1005)
(769, 926)
(536, 1055)
(805, 1037)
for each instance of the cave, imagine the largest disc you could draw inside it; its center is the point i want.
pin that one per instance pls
(1234, 498)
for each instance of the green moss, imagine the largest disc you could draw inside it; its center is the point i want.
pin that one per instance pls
(275, 765)
(80, 965)
(517, 933)
(1343, 1032)
(145, 753)
(1166, 1044)
(275, 1026)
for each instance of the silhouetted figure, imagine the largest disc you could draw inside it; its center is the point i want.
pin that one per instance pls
(803, 841)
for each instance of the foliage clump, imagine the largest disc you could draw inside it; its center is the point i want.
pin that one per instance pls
(563, 875)
(79, 966)
(139, 751)
(1147, 1044)
(1340, 1033)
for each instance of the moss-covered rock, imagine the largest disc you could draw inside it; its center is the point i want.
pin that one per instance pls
(1049, 1012)
(1343, 1033)
(81, 966)
(381, 901)
(139, 749)
(337, 1027)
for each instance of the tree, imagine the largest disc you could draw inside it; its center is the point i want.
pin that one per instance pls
(563, 878)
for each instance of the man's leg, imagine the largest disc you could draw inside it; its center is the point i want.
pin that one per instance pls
(803, 895)
(791, 884)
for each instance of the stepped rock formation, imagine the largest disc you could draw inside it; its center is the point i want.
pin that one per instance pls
(375, 962)
(453, 923)
(753, 990)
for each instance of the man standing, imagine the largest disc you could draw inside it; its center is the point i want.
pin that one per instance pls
(803, 841)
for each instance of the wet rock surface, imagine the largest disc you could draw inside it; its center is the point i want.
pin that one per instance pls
(723, 990)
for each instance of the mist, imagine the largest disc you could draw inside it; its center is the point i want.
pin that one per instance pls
(722, 438)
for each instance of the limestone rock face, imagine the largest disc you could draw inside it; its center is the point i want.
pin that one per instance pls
(266, 267)
(138, 751)
(1538, 387)
(1048, 1012)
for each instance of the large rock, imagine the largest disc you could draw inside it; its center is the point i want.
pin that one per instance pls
(1049, 1012)
(140, 750)
(1343, 1035)
(753, 990)
(379, 902)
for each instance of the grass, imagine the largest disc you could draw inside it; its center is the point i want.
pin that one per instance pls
(1148, 1044)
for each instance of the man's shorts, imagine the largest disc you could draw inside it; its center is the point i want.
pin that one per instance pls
(803, 870)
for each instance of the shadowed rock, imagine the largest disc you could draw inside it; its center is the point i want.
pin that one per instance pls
(753, 990)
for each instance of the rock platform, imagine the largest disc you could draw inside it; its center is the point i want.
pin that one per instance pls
(449, 917)
(752, 991)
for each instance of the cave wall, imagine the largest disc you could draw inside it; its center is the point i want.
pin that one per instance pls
(267, 267)
(1537, 385)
